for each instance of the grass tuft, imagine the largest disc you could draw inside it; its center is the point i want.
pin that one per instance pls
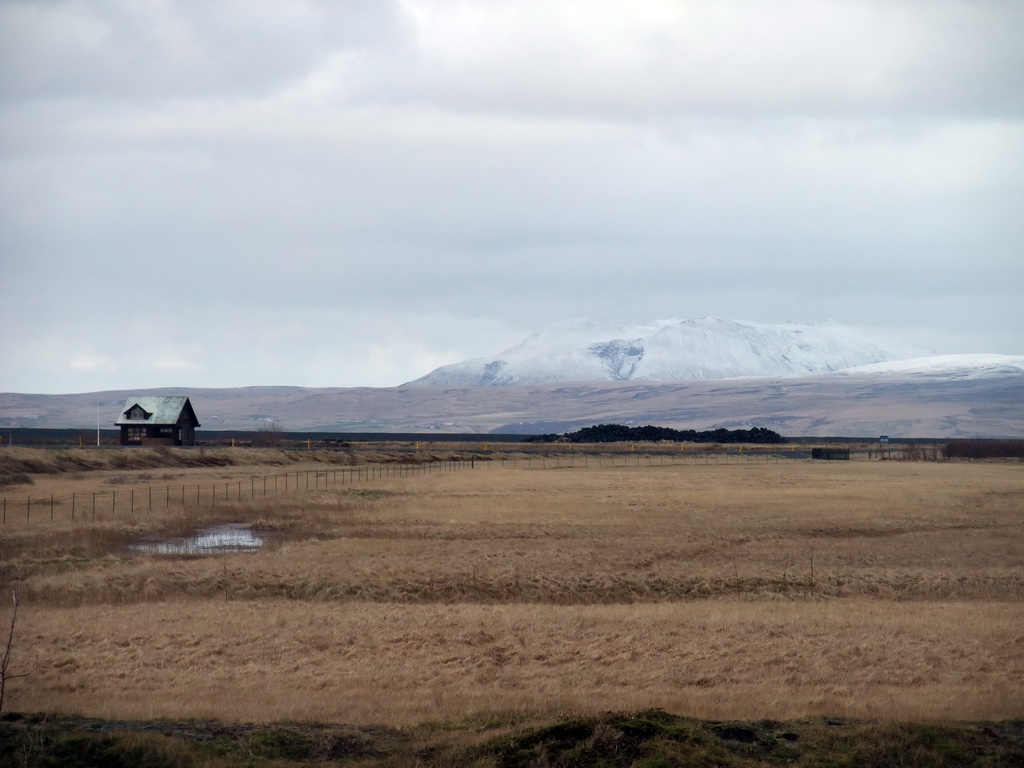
(9, 479)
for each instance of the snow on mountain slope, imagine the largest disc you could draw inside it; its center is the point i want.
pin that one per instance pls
(667, 350)
(945, 366)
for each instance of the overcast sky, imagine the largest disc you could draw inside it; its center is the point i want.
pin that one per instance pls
(353, 193)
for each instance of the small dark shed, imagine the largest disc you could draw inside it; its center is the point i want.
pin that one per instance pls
(158, 421)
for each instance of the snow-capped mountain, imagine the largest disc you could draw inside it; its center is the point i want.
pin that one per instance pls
(668, 350)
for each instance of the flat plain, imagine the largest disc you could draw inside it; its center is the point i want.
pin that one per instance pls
(887, 590)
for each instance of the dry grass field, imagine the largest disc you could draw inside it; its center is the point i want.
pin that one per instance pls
(883, 590)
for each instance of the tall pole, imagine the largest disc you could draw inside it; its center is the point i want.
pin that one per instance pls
(97, 423)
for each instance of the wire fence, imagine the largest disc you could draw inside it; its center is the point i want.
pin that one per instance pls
(108, 505)
(591, 456)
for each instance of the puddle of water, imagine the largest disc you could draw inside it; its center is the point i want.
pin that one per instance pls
(229, 538)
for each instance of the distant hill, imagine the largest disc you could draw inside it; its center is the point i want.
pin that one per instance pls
(972, 396)
(705, 374)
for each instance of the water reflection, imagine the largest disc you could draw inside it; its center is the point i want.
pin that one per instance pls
(228, 538)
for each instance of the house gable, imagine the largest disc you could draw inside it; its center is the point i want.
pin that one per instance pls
(187, 415)
(137, 413)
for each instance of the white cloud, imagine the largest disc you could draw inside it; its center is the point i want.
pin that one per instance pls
(732, 57)
(91, 363)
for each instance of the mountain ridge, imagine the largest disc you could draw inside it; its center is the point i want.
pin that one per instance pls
(708, 348)
(914, 402)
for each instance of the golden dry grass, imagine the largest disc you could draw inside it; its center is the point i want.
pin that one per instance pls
(868, 589)
(385, 663)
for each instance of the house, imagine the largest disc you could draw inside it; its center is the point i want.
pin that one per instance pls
(158, 421)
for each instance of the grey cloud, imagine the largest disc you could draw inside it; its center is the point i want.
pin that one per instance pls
(736, 58)
(408, 169)
(150, 51)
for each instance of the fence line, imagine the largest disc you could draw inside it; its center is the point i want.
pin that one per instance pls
(106, 505)
(100, 505)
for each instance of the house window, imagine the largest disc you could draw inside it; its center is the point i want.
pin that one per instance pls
(135, 434)
(137, 414)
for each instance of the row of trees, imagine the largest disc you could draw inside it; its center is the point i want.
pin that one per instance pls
(619, 433)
